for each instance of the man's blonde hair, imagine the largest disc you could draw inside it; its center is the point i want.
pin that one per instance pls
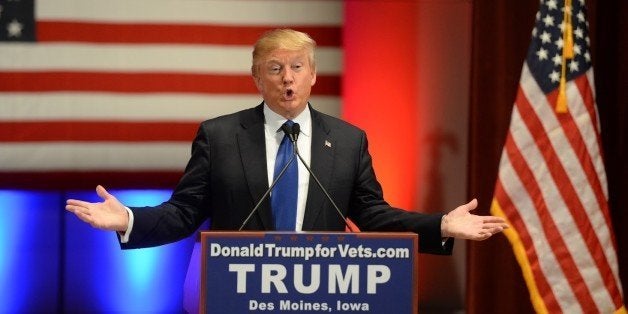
(282, 39)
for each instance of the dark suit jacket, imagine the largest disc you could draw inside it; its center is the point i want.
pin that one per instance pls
(226, 175)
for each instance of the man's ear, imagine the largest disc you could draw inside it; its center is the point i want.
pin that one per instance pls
(313, 80)
(258, 83)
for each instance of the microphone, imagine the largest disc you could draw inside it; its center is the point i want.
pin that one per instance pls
(296, 129)
(286, 129)
(294, 135)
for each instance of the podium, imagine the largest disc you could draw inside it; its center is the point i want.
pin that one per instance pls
(308, 272)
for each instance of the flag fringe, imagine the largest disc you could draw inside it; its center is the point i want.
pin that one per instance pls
(522, 259)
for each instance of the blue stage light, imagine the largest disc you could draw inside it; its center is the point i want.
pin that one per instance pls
(50, 261)
(29, 251)
(101, 277)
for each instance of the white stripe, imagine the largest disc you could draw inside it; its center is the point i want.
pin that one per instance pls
(591, 79)
(93, 156)
(145, 58)
(134, 107)
(589, 134)
(251, 12)
(544, 253)
(564, 221)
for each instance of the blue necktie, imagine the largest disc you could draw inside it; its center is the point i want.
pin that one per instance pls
(283, 199)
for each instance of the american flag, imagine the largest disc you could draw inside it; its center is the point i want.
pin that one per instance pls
(551, 183)
(113, 91)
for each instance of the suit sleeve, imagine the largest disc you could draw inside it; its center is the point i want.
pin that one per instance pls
(184, 212)
(372, 213)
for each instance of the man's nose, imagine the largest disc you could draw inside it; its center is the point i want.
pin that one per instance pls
(288, 76)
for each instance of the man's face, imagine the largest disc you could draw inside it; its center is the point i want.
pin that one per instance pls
(285, 79)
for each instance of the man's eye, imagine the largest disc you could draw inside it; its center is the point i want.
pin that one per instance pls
(297, 66)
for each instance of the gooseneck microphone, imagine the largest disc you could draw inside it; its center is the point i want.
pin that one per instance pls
(294, 134)
(286, 129)
(296, 129)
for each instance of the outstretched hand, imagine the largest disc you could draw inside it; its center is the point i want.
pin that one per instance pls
(461, 224)
(108, 215)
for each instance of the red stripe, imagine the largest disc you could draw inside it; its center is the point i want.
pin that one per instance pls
(586, 91)
(62, 31)
(564, 185)
(517, 223)
(97, 131)
(87, 180)
(145, 83)
(552, 236)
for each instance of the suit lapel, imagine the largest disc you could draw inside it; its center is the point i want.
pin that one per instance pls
(322, 166)
(252, 146)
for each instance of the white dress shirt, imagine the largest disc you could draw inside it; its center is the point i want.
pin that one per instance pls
(274, 135)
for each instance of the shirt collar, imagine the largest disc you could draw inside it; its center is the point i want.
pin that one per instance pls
(274, 121)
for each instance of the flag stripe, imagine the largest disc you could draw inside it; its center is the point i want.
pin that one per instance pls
(549, 229)
(87, 156)
(61, 31)
(586, 92)
(542, 291)
(144, 82)
(55, 106)
(95, 131)
(592, 138)
(80, 180)
(232, 12)
(200, 59)
(590, 97)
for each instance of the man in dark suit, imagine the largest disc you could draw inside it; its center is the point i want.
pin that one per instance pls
(233, 164)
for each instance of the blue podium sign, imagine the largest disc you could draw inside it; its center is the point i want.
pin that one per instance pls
(281, 272)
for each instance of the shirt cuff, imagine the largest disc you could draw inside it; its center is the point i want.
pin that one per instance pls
(124, 236)
(444, 241)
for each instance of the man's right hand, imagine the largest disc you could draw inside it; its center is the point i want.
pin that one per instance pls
(107, 215)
